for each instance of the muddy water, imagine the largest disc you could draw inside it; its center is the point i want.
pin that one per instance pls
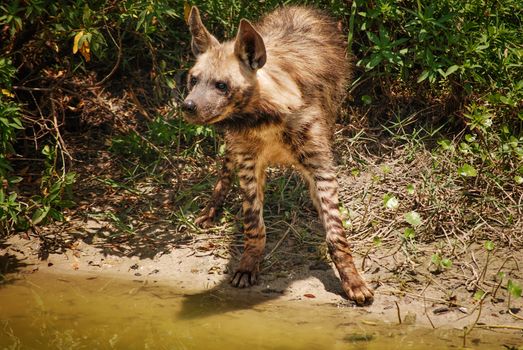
(62, 312)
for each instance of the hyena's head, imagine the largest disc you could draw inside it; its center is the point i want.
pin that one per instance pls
(223, 80)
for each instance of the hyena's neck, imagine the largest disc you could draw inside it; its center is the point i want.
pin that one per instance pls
(274, 96)
(251, 121)
(277, 90)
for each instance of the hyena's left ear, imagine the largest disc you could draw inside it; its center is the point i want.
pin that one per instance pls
(202, 40)
(249, 46)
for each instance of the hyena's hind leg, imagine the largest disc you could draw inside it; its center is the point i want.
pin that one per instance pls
(219, 193)
(252, 182)
(320, 172)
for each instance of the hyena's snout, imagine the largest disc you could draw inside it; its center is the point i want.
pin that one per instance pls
(191, 111)
(189, 107)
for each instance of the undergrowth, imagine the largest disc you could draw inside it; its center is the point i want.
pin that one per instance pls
(437, 80)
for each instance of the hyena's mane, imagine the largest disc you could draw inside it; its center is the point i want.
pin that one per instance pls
(305, 47)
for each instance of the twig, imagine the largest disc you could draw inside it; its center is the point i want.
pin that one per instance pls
(498, 326)
(118, 58)
(436, 300)
(59, 138)
(499, 270)
(484, 272)
(27, 88)
(278, 243)
(398, 310)
(426, 313)
(467, 329)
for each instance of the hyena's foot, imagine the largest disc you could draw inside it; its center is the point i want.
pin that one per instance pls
(246, 274)
(355, 287)
(206, 217)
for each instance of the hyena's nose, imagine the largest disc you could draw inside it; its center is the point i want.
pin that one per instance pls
(189, 106)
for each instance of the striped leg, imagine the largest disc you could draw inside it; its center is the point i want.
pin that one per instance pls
(321, 175)
(252, 182)
(221, 189)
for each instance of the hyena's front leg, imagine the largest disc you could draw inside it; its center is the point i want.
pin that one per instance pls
(321, 175)
(252, 181)
(221, 189)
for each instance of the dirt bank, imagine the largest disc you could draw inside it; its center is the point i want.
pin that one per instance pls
(404, 289)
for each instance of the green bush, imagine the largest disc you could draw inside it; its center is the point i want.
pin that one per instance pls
(471, 51)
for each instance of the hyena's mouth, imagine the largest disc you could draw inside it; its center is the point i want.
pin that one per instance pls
(200, 120)
(218, 118)
(214, 120)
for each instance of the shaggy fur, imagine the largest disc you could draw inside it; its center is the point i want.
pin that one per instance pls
(275, 91)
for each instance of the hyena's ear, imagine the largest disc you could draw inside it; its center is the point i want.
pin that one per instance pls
(249, 46)
(202, 40)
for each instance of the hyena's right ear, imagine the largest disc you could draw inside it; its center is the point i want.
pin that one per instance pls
(202, 40)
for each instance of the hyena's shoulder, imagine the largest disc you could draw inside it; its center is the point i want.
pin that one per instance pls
(306, 49)
(299, 31)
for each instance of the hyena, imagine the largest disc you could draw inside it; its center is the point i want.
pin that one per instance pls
(275, 91)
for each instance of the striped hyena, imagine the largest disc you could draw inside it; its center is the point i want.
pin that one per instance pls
(275, 91)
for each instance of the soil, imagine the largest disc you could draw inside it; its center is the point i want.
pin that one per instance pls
(406, 291)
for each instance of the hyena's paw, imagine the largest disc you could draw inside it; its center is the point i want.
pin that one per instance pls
(243, 279)
(357, 290)
(247, 273)
(206, 218)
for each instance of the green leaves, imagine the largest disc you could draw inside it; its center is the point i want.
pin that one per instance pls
(390, 202)
(366, 99)
(383, 49)
(409, 233)
(479, 295)
(489, 246)
(446, 145)
(514, 288)
(40, 214)
(413, 218)
(440, 261)
(467, 170)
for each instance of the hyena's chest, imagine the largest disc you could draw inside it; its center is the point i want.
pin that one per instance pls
(267, 147)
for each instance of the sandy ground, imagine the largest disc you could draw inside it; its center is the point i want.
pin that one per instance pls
(420, 298)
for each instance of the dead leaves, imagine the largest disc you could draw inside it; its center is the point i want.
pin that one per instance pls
(81, 44)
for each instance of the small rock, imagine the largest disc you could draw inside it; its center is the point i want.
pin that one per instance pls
(409, 319)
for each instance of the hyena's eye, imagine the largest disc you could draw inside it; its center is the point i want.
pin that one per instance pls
(193, 81)
(220, 85)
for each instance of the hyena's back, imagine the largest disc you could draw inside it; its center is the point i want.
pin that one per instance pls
(305, 47)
